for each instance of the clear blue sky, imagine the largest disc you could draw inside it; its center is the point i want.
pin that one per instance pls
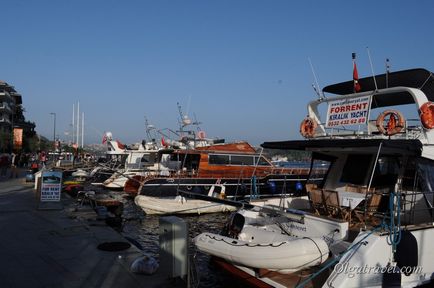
(243, 64)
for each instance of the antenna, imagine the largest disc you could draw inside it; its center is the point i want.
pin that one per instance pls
(387, 72)
(316, 87)
(372, 68)
(148, 129)
(197, 123)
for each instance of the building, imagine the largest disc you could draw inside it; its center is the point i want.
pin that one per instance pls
(12, 117)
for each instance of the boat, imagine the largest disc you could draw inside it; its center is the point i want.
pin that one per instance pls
(183, 205)
(139, 159)
(236, 165)
(273, 240)
(378, 182)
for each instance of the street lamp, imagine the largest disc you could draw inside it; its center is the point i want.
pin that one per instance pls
(54, 132)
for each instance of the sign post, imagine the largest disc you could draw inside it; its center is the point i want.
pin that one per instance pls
(50, 190)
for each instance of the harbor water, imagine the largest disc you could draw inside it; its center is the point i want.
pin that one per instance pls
(144, 229)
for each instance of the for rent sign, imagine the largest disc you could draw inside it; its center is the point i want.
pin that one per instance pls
(51, 186)
(348, 112)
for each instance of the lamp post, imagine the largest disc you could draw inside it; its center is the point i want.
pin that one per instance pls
(54, 131)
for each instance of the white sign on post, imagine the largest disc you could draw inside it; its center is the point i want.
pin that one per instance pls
(347, 112)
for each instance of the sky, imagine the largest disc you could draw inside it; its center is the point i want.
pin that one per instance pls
(238, 66)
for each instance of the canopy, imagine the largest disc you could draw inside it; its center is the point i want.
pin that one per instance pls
(408, 146)
(413, 78)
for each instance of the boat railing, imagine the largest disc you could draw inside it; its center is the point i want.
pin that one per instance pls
(417, 207)
(411, 130)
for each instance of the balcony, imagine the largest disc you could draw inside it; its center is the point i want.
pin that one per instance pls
(5, 119)
(5, 108)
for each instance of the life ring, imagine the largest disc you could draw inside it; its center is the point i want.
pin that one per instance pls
(308, 127)
(426, 114)
(394, 125)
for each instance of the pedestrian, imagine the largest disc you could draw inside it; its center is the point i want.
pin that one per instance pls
(14, 164)
(4, 164)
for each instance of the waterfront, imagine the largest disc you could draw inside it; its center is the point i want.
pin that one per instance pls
(144, 229)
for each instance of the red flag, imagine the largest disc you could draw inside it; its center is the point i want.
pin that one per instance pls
(120, 145)
(163, 142)
(356, 78)
(104, 139)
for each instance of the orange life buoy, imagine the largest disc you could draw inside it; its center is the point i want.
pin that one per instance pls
(394, 125)
(426, 114)
(307, 127)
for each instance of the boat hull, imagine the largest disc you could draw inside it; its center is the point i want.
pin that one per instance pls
(272, 185)
(179, 205)
(281, 253)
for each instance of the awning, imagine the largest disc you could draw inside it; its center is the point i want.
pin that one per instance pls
(414, 78)
(408, 146)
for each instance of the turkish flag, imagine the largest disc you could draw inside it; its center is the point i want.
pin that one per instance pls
(357, 87)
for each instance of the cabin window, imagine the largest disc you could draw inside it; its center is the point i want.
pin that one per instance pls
(218, 159)
(261, 162)
(148, 159)
(241, 160)
(386, 172)
(356, 169)
(421, 178)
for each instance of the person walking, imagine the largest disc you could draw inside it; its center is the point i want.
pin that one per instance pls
(4, 164)
(14, 164)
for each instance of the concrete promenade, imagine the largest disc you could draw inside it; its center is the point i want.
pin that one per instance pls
(49, 248)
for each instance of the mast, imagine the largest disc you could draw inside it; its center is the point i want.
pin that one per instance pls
(372, 68)
(73, 124)
(78, 123)
(82, 129)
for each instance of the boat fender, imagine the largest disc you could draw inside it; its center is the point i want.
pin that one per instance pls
(144, 265)
(392, 277)
(426, 114)
(298, 186)
(394, 125)
(272, 187)
(308, 127)
(235, 225)
(407, 252)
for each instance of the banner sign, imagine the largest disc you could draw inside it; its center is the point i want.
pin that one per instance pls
(51, 186)
(348, 112)
(18, 139)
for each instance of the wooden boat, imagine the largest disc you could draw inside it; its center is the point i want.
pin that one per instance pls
(379, 181)
(238, 166)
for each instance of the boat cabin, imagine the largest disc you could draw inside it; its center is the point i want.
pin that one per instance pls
(375, 165)
(232, 160)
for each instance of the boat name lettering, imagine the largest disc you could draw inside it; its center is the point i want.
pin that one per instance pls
(301, 228)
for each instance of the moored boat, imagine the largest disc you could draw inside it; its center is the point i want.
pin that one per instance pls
(183, 205)
(238, 166)
(379, 182)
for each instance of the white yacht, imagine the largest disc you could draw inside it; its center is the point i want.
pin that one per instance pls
(374, 208)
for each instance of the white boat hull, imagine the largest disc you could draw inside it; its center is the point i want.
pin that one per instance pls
(282, 253)
(179, 205)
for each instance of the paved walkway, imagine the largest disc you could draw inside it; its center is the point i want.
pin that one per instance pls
(48, 248)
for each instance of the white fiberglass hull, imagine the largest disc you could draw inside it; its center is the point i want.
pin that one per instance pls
(282, 253)
(179, 205)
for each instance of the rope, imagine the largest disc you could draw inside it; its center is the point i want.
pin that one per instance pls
(338, 258)
(394, 228)
(246, 244)
(317, 247)
(393, 239)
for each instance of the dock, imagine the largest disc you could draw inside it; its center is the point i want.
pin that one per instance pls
(53, 248)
